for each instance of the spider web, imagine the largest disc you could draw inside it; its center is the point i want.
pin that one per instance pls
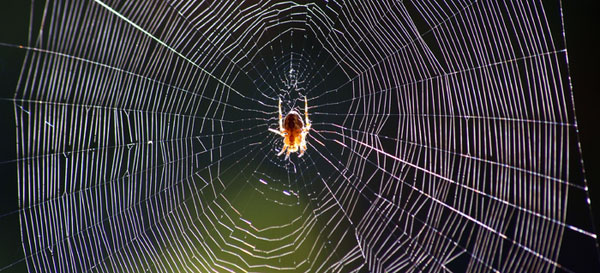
(443, 138)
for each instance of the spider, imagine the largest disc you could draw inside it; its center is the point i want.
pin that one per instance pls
(293, 131)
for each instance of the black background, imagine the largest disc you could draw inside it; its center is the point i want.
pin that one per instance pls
(581, 27)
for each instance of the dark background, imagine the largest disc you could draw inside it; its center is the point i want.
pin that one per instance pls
(581, 27)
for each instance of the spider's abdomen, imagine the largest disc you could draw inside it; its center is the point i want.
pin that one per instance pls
(292, 125)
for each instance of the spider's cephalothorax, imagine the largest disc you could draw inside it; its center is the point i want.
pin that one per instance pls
(293, 131)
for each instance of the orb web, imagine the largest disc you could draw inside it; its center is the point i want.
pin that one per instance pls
(443, 138)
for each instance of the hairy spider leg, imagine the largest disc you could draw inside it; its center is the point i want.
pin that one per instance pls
(285, 147)
(280, 132)
(305, 129)
(307, 126)
(280, 117)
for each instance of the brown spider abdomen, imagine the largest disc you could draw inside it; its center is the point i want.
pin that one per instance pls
(292, 125)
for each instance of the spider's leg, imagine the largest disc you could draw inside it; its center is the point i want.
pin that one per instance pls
(280, 117)
(275, 131)
(306, 113)
(282, 150)
(302, 145)
(287, 154)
